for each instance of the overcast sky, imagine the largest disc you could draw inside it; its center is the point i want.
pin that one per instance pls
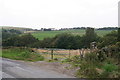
(58, 13)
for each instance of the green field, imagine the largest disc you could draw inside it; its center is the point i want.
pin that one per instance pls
(44, 34)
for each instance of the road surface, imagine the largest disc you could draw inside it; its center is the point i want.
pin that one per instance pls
(21, 69)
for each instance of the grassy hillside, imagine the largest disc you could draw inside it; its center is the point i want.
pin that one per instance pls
(44, 34)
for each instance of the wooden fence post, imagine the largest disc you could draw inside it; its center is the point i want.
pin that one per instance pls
(69, 54)
(52, 54)
(79, 52)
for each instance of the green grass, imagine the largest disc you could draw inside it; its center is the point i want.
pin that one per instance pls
(0, 52)
(44, 34)
(21, 54)
(110, 67)
(102, 32)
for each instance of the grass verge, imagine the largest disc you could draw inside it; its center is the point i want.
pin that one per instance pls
(21, 54)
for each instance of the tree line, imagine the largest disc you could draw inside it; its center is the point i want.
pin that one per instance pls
(62, 41)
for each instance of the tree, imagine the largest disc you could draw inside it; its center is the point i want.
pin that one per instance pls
(47, 43)
(26, 40)
(89, 37)
(69, 41)
(109, 39)
(64, 41)
(9, 33)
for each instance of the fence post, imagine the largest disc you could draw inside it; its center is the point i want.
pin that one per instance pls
(69, 54)
(52, 54)
(79, 52)
(82, 53)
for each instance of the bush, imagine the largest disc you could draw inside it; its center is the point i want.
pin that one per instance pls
(76, 58)
(87, 70)
(91, 58)
(91, 67)
(109, 39)
(26, 40)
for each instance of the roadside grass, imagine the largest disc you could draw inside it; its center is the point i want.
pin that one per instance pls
(0, 52)
(44, 34)
(110, 67)
(21, 54)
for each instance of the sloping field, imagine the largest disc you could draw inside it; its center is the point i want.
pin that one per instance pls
(44, 34)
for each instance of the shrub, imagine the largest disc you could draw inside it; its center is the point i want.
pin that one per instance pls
(91, 67)
(91, 58)
(87, 70)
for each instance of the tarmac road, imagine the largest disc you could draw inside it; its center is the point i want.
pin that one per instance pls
(21, 69)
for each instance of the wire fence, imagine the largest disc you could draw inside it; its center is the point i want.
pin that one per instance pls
(61, 53)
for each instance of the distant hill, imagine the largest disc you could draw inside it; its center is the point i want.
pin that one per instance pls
(17, 28)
